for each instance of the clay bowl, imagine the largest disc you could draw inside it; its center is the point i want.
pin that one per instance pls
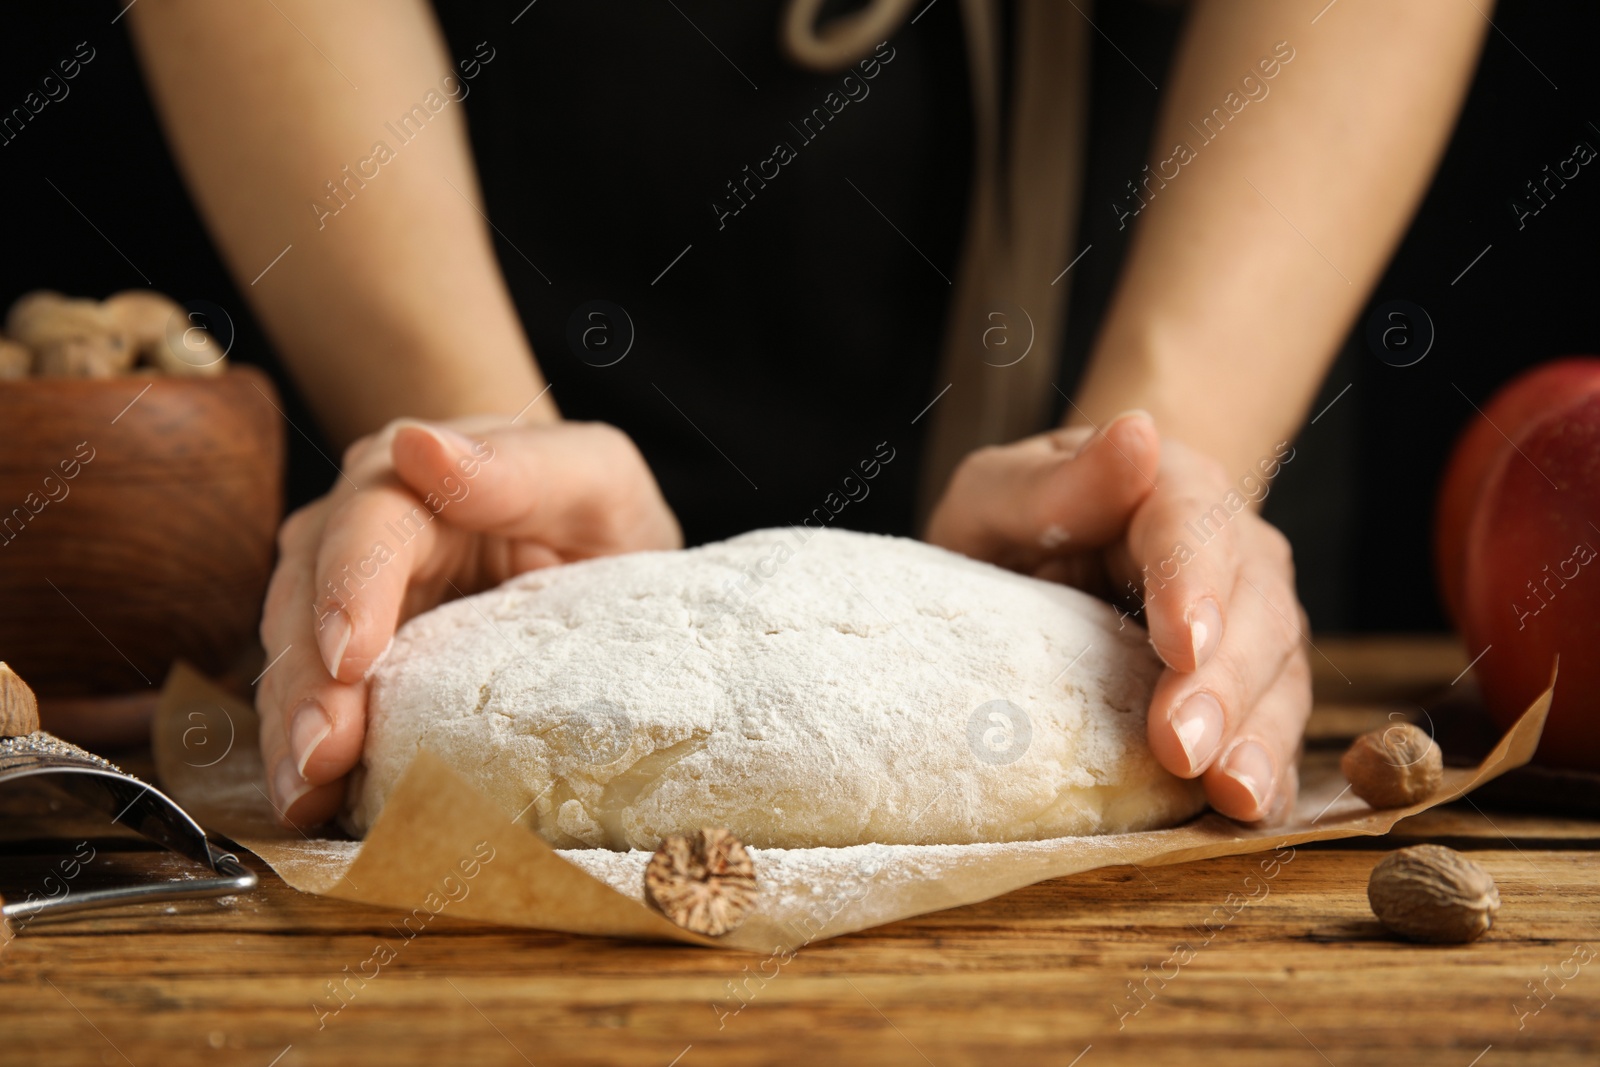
(137, 518)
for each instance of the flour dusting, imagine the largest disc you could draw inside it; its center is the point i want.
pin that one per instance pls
(805, 689)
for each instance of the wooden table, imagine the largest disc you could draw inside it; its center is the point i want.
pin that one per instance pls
(1303, 976)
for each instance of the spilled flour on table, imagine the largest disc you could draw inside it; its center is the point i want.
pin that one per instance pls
(312, 865)
(796, 882)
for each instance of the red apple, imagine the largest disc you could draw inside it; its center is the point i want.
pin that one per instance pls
(1529, 578)
(1539, 390)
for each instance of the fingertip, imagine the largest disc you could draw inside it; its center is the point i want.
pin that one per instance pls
(411, 434)
(423, 453)
(334, 630)
(440, 466)
(1137, 439)
(325, 736)
(309, 725)
(306, 782)
(288, 787)
(1205, 629)
(1185, 637)
(1287, 796)
(1243, 784)
(1186, 739)
(1134, 420)
(359, 659)
(374, 662)
(1172, 644)
(314, 806)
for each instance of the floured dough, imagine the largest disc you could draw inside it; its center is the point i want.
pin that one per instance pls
(799, 687)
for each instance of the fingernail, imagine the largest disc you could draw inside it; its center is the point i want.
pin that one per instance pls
(288, 786)
(377, 661)
(1283, 806)
(1130, 413)
(451, 440)
(1250, 765)
(1198, 724)
(308, 726)
(1205, 629)
(333, 637)
(1104, 432)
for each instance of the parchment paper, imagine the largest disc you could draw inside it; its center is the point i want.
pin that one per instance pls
(441, 847)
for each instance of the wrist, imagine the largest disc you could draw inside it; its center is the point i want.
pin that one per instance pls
(1125, 372)
(1209, 401)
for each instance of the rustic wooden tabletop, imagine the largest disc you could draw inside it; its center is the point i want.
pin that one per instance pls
(1075, 971)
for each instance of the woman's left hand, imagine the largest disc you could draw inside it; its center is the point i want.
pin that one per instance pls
(1121, 513)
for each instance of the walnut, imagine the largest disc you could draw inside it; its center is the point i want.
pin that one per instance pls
(703, 881)
(19, 711)
(1393, 767)
(1432, 893)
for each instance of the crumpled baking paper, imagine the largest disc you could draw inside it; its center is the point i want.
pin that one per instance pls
(441, 847)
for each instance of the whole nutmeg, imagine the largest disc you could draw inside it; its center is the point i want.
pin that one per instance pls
(43, 316)
(164, 335)
(103, 355)
(703, 881)
(29, 309)
(1393, 767)
(1434, 894)
(70, 338)
(16, 360)
(19, 711)
(143, 314)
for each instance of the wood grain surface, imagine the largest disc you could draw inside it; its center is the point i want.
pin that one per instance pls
(1301, 975)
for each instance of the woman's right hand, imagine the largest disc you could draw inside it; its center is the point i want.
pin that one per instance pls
(422, 513)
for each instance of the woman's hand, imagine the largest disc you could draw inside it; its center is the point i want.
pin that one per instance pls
(423, 513)
(1123, 511)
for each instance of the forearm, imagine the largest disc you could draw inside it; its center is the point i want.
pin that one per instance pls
(394, 305)
(1254, 255)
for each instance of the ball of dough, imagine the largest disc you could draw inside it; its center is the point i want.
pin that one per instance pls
(802, 688)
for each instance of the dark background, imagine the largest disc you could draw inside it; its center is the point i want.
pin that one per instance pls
(1356, 501)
